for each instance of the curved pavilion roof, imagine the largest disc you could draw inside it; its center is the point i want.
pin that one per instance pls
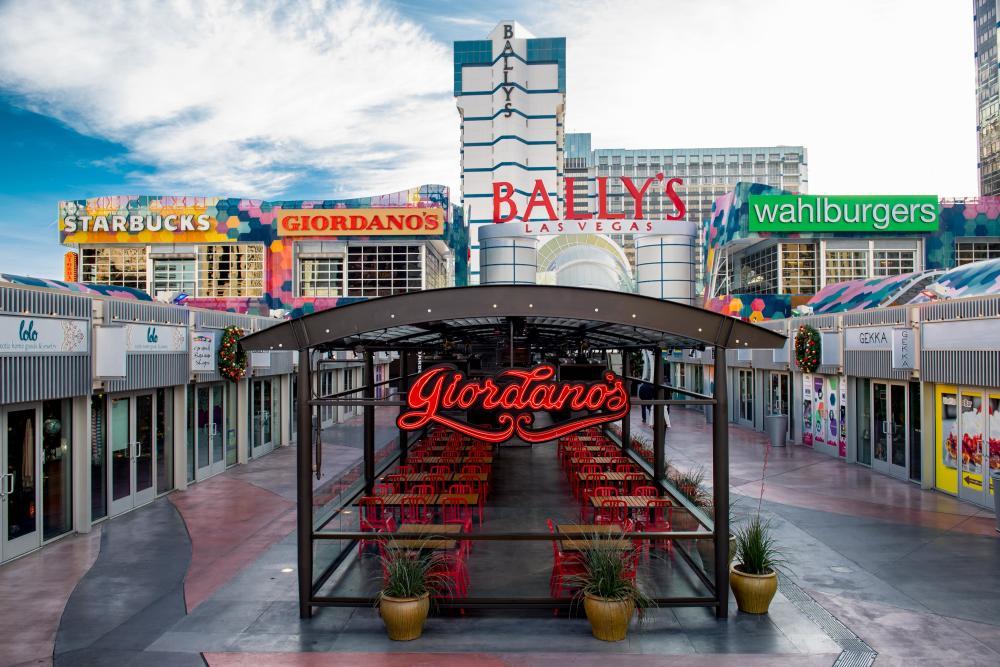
(550, 317)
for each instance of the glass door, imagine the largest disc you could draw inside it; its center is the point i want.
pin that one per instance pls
(19, 483)
(745, 407)
(890, 425)
(210, 413)
(131, 473)
(262, 440)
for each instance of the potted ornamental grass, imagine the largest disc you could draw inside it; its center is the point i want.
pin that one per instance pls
(607, 586)
(408, 579)
(754, 574)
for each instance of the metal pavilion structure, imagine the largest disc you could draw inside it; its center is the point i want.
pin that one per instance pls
(545, 320)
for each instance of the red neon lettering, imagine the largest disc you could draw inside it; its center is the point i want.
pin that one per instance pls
(442, 388)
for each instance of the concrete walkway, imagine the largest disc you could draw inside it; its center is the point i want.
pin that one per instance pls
(911, 572)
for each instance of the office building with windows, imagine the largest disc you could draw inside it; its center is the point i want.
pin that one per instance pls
(707, 173)
(253, 256)
(987, 96)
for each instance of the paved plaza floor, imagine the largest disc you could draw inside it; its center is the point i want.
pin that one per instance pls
(878, 570)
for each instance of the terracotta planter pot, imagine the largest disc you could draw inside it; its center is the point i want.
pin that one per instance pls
(753, 592)
(609, 619)
(404, 617)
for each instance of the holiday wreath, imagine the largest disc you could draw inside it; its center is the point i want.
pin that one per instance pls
(807, 348)
(232, 357)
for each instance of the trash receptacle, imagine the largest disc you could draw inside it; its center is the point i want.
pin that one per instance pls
(776, 427)
(996, 497)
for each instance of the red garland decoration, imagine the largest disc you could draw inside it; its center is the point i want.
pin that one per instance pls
(232, 357)
(807, 348)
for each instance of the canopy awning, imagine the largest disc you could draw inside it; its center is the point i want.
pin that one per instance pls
(547, 317)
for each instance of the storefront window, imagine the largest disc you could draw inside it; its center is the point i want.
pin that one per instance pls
(120, 265)
(967, 252)
(98, 458)
(894, 262)
(174, 275)
(758, 272)
(844, 265)
(231, 425)
(57, 487)
(230, 270)
(321, 276)
(798, 268)
(383, 270)
(915, 433)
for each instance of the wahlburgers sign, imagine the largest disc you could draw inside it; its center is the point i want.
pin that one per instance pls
(843, 213)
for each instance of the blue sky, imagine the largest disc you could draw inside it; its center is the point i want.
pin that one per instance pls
(342, 97)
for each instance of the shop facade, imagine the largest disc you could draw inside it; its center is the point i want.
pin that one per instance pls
(257, 257)
(912, 392)
(106, 404)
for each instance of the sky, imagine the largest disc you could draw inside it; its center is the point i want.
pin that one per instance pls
(340, 98)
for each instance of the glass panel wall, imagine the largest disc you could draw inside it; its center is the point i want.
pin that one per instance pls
(864, 428)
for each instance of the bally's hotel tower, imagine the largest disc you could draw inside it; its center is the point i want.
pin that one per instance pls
(511, 96)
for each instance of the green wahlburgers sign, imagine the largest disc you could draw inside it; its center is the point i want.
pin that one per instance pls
(843, 213)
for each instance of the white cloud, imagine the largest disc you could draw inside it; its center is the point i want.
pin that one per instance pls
(881, 92)
(243, 98)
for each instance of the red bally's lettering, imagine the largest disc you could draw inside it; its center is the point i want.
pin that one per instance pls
(505, 208)
(517, 394)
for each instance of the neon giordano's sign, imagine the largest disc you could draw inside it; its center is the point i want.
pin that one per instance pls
(545, 220)
(517, 394)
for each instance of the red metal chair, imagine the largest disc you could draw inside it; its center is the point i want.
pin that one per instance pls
(373, 518)
(611, 511)
(645, 491)
(659, 512)
(460, 488)
(384, 489)
(454, 510)
(624, 467)
(438, 481)
(473, 482)
(591, 482)
(405, 470)
(440, 470)
(634, 479)
(414, 509)
(451, 566)
(423, 489)
(472, 468)
(564, 567)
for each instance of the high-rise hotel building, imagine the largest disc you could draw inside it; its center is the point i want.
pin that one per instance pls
(708, 173)
(987, 96)
(511, 95)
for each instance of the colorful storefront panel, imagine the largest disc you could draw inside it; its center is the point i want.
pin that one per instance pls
(946, 439)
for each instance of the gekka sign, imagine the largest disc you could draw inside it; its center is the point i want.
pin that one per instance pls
(513, 396)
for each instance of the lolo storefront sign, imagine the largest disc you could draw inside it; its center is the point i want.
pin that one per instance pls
(155, 338)
(538, 216)
(42, 335)
(513, 396)
(847, 213)
(398, 221)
